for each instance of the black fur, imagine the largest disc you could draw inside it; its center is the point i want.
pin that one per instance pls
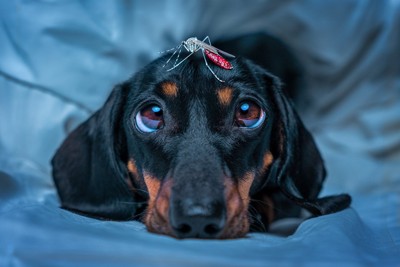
(197, 147)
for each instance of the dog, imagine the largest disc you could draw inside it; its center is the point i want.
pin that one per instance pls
(194, 157)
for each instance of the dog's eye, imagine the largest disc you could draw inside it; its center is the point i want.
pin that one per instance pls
(249, 115)
(150, 118)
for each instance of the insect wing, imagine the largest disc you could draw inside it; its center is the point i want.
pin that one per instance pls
(218, 60)
(213, 49)
(225, 53)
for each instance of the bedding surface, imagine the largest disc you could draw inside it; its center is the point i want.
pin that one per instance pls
(60, 59)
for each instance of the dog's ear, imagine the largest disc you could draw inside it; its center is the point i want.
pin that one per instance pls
(298, 169)
(88, 169)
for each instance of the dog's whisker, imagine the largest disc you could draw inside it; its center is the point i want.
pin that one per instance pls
(133, 202)
(135, 190)
(268, 204)
(261, 201)
(256, 222)
(138, 216)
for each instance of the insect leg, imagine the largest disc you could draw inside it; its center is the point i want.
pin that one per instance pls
(208, 39)
(169, 50)
(180, 62)
(173, 54)
(205, 61)
(177, 58)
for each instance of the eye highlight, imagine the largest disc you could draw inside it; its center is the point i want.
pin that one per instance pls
(249, 115)
(150, 118)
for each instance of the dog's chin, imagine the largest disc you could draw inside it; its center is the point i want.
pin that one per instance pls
(156, 224)
(236, 225)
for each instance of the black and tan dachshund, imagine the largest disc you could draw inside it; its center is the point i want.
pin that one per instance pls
(192, 156)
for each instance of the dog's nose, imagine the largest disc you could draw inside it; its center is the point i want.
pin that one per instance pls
(197, 220)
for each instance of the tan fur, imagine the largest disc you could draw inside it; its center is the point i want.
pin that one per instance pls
(237, 222)
(225, 95)
(267, 160)
(132, 168)
(170, 89)
(156, 218)
(153, 185)
(245, 184)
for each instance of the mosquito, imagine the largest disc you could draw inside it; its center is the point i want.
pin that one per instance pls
(192, 45)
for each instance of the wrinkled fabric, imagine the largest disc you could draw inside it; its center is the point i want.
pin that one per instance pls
(60, 59)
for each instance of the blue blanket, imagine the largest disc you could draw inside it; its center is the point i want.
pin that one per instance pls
(60, 59)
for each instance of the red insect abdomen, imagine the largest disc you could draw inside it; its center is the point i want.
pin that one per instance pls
(218, 60)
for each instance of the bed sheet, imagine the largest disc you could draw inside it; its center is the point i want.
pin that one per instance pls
(60, 59)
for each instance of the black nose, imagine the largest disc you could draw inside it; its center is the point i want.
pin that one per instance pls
(197, 220)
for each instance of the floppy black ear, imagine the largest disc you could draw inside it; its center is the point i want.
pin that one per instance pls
(298, 169)
(88, 169)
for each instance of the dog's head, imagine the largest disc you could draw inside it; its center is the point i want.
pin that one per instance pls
(195, 150)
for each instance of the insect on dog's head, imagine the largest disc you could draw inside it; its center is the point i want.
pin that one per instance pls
(198, 146)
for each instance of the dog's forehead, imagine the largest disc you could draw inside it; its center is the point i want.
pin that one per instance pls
(194, 80)
(207, 95)
(191, 92)
(175, 90)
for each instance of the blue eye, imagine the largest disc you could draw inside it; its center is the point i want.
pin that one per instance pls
(150, 118)
(249, 115)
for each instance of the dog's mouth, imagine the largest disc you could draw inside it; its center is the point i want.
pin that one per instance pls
(219, 218)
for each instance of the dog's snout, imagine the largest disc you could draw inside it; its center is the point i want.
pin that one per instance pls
(198, 220)
(197, 204)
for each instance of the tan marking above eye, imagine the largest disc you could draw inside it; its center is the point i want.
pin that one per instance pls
(169, 89)
(225, 95)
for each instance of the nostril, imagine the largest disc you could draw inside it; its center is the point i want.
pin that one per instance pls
(212, 229)
(193, 220)
(184, 228)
